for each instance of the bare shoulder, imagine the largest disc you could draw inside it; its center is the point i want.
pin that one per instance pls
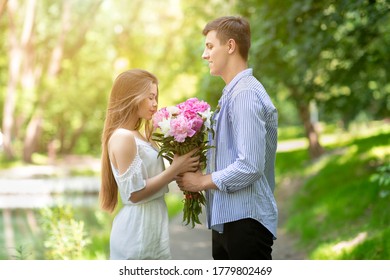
(121, 137)
(122, 148)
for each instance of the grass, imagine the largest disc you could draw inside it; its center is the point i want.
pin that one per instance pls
(340, 212)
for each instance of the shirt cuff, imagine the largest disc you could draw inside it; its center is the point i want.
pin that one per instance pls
(216, 178)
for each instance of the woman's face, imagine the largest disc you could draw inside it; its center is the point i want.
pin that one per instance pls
(148, 106)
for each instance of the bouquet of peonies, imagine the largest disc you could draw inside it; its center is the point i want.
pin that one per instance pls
(180, 129)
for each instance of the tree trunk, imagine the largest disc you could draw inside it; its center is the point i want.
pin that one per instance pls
(315, 148)
(75, 136)
(34, 127)
(3, 5)
(33, 133)
(15, 55)
(19, 48)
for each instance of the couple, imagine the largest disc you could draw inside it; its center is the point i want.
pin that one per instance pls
(239, 183)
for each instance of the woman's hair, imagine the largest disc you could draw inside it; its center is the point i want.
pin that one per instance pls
(129, 90)
(231, 27)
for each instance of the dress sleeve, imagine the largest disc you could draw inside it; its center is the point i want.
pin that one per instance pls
(133, 179)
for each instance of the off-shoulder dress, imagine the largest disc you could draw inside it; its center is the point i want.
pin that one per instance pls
(140, 230)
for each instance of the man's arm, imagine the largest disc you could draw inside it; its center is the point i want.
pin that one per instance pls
(248, 124)
(195, 181)
(249, 133)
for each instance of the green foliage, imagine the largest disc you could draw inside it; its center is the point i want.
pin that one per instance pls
(22, 253)
(98, 224)
(341, 209)
(329, 51)
(65, 238)
(26, 240)
(174, 204)
(4, 163)
(301, 50)
(290, 132)
(169, 146)
(68, 233)
(193, 201)
(382, 177)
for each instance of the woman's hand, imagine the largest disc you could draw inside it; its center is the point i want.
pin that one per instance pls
(185, 163)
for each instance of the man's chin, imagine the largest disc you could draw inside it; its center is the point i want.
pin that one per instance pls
(212, 73)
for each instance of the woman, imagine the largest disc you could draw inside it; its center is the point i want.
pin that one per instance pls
(130, 165)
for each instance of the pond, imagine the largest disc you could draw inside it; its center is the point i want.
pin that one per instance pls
(29, 220)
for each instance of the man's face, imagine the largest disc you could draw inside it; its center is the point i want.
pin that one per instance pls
(215, 53)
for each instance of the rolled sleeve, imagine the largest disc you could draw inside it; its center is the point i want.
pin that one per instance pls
(216, 178)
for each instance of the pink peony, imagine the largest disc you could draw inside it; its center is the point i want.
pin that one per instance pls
(197, 123)
(193, 105)
(159, 116)
(181, 128)
(183, 120)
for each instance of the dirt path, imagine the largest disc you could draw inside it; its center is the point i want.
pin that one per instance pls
(199, 248)
(285, 247)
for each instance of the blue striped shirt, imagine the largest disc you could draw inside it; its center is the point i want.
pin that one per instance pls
(243, 162)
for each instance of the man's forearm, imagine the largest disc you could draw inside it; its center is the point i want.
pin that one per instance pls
(206, 182)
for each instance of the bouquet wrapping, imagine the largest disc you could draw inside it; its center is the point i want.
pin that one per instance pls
(180, 129)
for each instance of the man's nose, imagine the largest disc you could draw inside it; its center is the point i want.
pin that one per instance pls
(205, 54)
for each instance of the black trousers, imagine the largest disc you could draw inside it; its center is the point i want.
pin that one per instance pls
(245, 239)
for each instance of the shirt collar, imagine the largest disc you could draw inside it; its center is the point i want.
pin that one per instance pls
(239, 76)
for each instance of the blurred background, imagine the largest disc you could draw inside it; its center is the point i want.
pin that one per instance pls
(325, 64)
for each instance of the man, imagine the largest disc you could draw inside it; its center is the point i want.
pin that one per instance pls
(240, 180)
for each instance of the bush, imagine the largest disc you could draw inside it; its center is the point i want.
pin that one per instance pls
(64, 237)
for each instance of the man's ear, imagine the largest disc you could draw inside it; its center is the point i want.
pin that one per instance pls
(231, 46)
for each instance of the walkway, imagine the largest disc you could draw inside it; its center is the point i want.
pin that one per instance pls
(195, 244)
(190, 243)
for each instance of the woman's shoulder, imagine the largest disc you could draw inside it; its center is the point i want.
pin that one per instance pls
(122, 149)
(122, 139)
(121, 134)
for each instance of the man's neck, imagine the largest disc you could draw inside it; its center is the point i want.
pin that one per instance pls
(234, 68)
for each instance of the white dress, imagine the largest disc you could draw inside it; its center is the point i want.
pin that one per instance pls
(140, 230)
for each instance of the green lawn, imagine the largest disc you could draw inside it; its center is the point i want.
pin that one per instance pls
(340, 211)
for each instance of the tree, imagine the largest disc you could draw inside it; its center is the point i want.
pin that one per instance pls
(208, 87)
(19, 45)
(300, 46)
(74, 52)
(33, 73)
(357, 60)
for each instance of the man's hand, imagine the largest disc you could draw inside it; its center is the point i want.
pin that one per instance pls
(195, 182)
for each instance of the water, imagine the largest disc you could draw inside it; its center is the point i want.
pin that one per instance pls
(21, 201)
(39, 193)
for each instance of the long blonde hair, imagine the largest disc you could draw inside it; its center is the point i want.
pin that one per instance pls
(130, 88)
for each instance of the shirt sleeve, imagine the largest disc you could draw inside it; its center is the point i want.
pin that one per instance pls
(248, 124)
(133, 179)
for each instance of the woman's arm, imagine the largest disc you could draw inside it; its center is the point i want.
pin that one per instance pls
(123, 149)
